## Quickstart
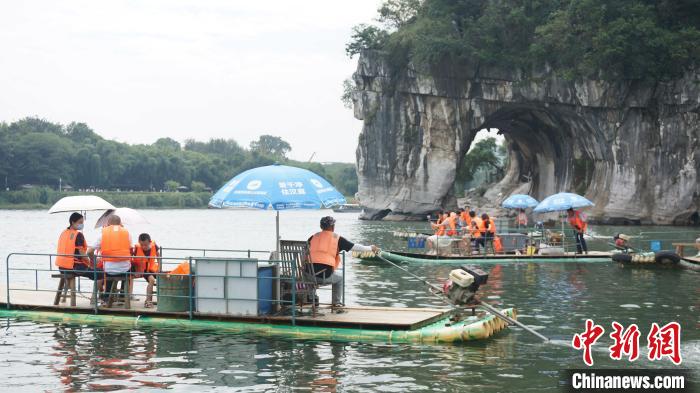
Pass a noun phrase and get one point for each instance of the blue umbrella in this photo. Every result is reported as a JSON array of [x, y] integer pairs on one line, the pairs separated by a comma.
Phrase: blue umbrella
[[519, 201], [562, 201], [277, 187]]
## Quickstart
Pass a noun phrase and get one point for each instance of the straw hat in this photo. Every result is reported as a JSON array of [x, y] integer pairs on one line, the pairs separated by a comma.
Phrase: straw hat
[[624, 237]]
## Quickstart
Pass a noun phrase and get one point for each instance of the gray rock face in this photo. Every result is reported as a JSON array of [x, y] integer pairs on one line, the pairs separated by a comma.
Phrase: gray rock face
[[629, 146]]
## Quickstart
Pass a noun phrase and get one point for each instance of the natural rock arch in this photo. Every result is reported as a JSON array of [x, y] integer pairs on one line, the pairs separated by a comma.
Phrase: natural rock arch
[[630, 146]]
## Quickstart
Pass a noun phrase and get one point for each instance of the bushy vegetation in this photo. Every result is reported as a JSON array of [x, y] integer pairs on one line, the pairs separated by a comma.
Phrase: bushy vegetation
[[485, 162], [634, 39], [43, 197], [37, 152]]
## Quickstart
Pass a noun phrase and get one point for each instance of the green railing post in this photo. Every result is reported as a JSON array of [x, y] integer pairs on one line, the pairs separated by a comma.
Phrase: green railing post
[[7, 280], [294, 298], [190, 289], [95, 286]]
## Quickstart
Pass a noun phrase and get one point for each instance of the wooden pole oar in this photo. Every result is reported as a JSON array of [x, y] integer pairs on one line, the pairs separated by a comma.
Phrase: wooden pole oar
[[437, 291], [506, 318]]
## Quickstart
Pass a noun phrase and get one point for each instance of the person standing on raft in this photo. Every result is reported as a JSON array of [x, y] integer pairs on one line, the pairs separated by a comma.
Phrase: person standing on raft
[[324, 250], [578, 222]]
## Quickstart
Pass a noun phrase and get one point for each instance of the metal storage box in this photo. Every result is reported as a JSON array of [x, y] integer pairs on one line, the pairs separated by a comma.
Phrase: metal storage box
[[513, 241]]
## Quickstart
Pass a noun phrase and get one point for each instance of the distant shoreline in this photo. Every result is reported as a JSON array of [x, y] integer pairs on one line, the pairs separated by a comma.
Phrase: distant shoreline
[[43, 198]]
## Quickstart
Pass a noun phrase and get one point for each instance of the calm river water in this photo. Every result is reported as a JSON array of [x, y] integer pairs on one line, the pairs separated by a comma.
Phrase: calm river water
[[556, 298]]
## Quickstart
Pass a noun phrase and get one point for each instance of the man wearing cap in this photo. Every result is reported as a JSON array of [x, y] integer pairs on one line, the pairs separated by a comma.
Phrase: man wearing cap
[[324, 250]]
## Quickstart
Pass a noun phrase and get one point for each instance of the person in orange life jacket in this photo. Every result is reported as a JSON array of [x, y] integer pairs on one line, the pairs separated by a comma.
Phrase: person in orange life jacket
[[579, 225], [521, 219], [324, 249], [487, 229], [72, 241], [145, 261], [439, 225], [452, 224], [465, 221], [474, 229], [114, 244]]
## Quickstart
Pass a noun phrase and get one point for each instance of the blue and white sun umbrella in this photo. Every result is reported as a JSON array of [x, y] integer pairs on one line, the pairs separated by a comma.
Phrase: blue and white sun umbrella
[[277, 187], [519, 201], [562, 201]]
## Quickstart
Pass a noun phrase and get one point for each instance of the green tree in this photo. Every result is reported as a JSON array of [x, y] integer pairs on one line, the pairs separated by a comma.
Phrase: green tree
[[168, 144], [349, 89], [197, 186], [484, 155], [171, 185], [272, 146], [630, 39], [366, 37]]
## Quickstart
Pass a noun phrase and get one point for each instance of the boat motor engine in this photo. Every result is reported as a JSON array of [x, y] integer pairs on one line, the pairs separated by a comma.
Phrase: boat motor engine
[[463, 283]]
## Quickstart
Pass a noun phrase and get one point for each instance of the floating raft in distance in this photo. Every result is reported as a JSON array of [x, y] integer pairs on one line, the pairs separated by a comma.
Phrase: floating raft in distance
[[357, 324], [406, 257]]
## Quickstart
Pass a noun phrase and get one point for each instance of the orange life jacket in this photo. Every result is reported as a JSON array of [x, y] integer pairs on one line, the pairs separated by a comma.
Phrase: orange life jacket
[[466, 218], [66, 245], [182, 269], [452, 224], [490, 229], [497, 245], [475, 227], [150, 264], [323, 248], [438, 226], [576, 222], [115, 244]]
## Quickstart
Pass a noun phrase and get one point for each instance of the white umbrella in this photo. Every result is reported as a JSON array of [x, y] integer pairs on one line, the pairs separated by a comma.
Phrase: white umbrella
[[128, 216], [80, 203]]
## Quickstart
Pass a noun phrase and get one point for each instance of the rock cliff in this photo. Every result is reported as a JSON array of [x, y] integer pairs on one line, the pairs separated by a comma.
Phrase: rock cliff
[[629, 146]]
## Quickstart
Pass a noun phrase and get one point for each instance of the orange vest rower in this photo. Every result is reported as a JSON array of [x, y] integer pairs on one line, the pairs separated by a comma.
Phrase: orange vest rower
[[324, 249], [580, 225]]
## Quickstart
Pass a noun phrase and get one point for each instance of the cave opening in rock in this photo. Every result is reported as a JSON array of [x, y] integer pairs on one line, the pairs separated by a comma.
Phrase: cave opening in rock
[[542, 154]]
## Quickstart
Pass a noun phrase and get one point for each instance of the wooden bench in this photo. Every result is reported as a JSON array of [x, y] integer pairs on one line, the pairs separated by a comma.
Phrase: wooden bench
[[680, 247], [65, 284]]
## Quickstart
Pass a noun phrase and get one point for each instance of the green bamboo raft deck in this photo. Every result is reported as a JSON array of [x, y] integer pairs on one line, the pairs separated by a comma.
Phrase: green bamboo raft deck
[[358, 324]]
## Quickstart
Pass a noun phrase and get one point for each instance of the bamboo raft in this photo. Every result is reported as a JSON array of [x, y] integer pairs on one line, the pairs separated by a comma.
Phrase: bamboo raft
[[406, 257], [357, 324]]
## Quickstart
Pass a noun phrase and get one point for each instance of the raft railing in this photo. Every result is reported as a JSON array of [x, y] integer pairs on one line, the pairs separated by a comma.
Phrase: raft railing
[[663, 240], [41, 276]]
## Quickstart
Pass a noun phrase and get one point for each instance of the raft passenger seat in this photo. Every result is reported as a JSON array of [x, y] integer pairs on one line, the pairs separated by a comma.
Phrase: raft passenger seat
[[295, 262], [65, 284]]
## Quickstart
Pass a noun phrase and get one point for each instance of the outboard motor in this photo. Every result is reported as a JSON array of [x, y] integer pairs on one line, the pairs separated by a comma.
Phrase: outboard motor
[[463, 284]]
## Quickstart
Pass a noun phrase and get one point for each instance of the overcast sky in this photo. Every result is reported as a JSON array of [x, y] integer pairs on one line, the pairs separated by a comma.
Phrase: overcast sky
[[136, 71]]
